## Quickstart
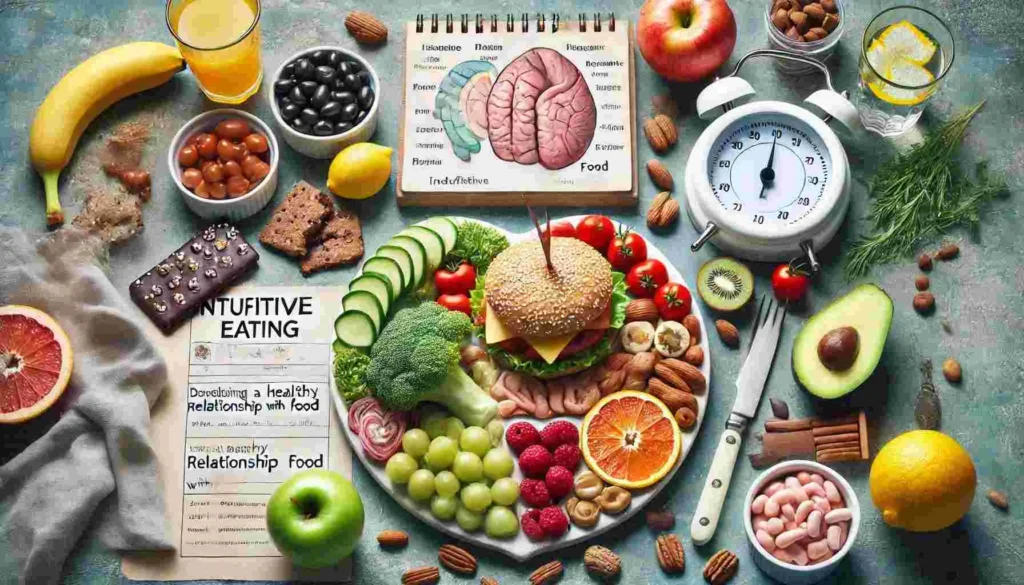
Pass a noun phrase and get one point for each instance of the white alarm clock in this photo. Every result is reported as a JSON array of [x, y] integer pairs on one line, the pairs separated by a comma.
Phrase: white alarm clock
[[768, 180]]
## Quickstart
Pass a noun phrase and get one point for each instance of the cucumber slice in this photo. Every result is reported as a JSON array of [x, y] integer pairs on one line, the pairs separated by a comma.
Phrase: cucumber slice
[[375, 284], [355, 329], [445, 228], [365, 301], [389, 269], [432, 244], [337, 346], [418, 255], [404, 262]]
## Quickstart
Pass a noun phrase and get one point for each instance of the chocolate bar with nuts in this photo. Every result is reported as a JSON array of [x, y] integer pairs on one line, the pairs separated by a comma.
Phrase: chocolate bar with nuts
[[196, 272]]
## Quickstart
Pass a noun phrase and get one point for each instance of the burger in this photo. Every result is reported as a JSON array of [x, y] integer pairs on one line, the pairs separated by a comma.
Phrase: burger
[[550, 321]]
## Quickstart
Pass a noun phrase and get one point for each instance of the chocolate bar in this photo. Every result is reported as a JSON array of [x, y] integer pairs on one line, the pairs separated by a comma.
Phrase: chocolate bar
[[196, 272]]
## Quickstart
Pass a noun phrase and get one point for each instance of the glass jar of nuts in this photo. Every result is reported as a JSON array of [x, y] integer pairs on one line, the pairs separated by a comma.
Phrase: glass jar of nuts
[[811, 28]]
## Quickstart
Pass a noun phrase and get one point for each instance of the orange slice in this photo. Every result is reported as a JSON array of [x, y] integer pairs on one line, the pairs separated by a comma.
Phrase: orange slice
[[35, 363], [630, 439]]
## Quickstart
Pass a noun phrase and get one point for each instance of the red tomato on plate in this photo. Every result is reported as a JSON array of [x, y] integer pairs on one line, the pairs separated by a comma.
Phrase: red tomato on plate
[[628, 248], [561, 229], [789, 284], [645, 278], [454, 282], [673, 301], [596, 230], [455, 303]]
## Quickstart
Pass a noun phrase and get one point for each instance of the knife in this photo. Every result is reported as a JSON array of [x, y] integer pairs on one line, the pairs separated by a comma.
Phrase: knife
[[750, 386]]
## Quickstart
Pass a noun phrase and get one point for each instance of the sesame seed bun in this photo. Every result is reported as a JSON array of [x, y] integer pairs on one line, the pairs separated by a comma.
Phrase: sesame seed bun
[[533, 301]]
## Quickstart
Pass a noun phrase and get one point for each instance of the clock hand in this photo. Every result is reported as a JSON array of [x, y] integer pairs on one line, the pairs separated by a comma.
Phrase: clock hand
[[768, 173]]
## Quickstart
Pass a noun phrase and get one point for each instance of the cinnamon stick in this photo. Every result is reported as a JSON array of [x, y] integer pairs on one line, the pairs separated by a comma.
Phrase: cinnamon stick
[[823, 452], [831, 458], [832, 430], [837, 438], [843, 445]]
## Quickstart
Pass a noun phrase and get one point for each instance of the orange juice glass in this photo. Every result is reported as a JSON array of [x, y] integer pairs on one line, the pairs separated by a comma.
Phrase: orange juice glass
[[220, 40]]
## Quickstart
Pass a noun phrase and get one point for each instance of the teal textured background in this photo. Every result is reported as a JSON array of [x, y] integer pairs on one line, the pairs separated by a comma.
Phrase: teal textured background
[[980, 293]]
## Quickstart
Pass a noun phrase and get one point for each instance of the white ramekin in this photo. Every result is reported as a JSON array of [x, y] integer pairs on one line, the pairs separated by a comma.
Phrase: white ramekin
[[788, 573], [326, 146], [233, 209]]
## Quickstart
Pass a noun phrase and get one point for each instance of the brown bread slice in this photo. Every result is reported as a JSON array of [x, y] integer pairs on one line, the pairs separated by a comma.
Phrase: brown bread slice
[[297, 220], [341, 242]]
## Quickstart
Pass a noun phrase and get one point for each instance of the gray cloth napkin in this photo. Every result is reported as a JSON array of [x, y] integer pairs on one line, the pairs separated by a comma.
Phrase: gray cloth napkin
[[96, 461]]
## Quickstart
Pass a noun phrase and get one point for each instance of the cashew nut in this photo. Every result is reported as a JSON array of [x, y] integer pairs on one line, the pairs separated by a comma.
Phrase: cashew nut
[[582, 513], [588, 486], [614, 499]]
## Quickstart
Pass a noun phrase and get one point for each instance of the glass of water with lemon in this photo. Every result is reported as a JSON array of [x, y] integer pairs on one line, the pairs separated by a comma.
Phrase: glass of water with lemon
[[905, 54]]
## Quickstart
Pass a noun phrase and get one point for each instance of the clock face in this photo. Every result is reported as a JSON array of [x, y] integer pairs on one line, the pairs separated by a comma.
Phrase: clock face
[[768, 170]]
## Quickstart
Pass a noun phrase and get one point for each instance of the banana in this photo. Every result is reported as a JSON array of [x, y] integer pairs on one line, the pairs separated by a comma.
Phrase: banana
[[82, 94]]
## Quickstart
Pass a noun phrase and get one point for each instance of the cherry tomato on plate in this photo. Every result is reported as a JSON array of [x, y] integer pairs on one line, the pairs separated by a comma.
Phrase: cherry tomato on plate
[[645, 277], [561, 229], [596, 230], [673, 301], [789, 283], [628, 248], [455, 303], [454, 280]]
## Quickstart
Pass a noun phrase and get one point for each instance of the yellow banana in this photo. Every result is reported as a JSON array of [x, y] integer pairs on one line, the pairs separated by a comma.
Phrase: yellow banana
[[87, 90]]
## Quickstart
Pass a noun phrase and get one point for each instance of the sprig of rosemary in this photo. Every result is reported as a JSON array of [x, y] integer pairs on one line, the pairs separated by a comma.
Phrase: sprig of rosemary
[[919, 195]]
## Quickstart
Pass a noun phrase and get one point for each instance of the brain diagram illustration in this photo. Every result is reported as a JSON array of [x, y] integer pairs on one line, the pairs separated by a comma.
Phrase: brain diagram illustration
[[539, 109]]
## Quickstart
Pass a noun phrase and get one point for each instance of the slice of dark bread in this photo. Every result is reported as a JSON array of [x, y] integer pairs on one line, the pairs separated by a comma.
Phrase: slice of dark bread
[[341, 242], [297, 220]]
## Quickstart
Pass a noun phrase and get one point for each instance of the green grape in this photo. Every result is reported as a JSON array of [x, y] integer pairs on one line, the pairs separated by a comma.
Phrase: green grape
[[415, 442], [476, 497], [505, 491], [399, 467], [501, 522], [496, 430], [447, 484], [421, 485], [475, 440], [434, 423], [441, 453], [453, 428], [498, 463], [468, 467], [468, 520], [443, 507]]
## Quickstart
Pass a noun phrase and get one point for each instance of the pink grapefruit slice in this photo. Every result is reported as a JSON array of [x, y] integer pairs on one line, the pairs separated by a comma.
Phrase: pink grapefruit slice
[[35, 363]]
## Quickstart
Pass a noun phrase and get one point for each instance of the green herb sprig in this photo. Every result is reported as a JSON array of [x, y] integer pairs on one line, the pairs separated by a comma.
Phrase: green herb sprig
[[477, 244], [919, 195]]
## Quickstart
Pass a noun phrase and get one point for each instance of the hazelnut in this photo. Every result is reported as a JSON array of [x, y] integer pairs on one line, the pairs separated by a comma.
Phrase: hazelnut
[[924, 302], [922, 282], [838, 348], [924, 262]]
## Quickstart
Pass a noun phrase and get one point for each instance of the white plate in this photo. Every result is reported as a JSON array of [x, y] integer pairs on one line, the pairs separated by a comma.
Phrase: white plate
[[521, 547]]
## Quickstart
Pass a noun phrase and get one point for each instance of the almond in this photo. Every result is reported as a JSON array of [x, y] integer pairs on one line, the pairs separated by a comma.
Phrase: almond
[[642, 310], [815, 12], [671, 378], [456, 559], [998, 499], [830, 23], [691, 375], [947, 251], [366, 28], [692, 324], [815, 34], [548, 573], [664, 211], [728, 332], [673, 398], [670, 553], [781, 20], [828, 5], [656, 136], [952, 371], [668, 127], [799, 20], [694, 356], [659, 175], [792, 33], [421, 576], [392, 538]]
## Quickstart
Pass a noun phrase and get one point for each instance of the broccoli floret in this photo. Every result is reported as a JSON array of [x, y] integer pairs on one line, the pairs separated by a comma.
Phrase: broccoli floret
[[416, 359], [350, 373]]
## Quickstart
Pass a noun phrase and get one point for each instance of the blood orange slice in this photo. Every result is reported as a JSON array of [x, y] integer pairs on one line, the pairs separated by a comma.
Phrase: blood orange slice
[[630, 439], [35, 363]]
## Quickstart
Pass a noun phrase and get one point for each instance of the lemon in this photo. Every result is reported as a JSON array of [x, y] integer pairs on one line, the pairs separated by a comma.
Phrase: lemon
[[922, 481], [359, 171], [907, 41]]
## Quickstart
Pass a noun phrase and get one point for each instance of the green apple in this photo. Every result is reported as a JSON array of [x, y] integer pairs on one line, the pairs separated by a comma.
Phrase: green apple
[[316, 518]]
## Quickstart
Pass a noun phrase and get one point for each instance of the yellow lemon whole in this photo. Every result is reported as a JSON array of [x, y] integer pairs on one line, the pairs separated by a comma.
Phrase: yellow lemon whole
[[922, 481], [359, 171]]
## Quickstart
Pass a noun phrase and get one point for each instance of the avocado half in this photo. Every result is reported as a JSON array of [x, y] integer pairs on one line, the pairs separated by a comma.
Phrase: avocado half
[[868, 309]]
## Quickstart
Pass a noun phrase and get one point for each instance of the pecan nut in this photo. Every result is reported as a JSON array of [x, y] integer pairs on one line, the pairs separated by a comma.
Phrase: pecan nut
[[670, 553], [421, 576], [664, 211], [545, 574], [456, 559], [393, 538], [602, 563], [721, 567]]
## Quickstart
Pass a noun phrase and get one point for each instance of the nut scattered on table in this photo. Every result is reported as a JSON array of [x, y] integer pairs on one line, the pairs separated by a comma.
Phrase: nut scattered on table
[[548, 573], [602, 563], [998, 499], [456, 559], [421, 576], [661, 520], [661, 132], [952, 371], [924, 262], [721, 567], [924, 302], [670, 553], [664, 211], [728, 333], [948, 252], [922, 282], [660, 175], [488, 581], [780, 409], [393, 538], [366, 28]]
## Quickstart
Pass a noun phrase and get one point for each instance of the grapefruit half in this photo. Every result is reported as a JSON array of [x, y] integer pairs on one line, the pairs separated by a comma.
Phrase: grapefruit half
[[630, 439], [35, 363]]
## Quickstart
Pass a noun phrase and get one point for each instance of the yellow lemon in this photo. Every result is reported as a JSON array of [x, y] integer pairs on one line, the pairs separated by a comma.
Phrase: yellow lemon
[[359, 171], [922, 481]]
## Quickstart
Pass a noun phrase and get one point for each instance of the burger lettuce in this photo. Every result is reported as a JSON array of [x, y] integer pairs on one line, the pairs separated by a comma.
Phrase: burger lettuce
[[576, 362]]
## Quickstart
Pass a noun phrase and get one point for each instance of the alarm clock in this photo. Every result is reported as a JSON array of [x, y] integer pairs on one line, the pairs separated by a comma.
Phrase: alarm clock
[[768, 180]]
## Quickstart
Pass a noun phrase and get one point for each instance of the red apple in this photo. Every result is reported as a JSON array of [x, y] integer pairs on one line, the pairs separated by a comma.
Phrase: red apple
[[686, 40]]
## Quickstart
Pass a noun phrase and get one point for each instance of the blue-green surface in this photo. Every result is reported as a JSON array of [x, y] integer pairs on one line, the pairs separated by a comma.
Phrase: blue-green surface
[[979, 294]]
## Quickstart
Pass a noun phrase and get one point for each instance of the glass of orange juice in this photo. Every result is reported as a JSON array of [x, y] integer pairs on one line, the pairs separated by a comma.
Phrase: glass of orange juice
[[220, 40]]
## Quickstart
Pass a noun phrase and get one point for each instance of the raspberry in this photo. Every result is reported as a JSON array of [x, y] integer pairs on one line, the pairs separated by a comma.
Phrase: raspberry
[[535, 461], [530, 524], [560, 432], [568, 456], [559, 482], [521, 435], [535, 493], [553, 521]]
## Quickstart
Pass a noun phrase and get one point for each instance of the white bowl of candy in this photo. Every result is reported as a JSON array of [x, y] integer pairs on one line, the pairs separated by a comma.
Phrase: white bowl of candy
[[801, 518]]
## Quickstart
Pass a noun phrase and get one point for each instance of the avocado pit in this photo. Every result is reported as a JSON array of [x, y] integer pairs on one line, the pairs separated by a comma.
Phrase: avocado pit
[[838, 348]]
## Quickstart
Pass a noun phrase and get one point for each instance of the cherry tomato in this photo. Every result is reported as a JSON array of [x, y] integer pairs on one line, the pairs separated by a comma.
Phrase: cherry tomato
[[645, 278], [596, 230], [627, 249], [455, 303], [673, 301], [562, 229], [789, 284], [461, 280]]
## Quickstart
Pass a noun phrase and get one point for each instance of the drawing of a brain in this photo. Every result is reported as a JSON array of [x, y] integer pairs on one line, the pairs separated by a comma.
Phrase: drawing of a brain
[[461, 105]]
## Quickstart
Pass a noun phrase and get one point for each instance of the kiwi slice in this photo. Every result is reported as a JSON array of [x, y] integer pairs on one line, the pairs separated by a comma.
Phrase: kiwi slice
[[725, 284]]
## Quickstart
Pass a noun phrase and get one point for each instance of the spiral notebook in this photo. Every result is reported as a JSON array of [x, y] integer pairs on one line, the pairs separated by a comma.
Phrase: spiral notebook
[[498, 108]]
